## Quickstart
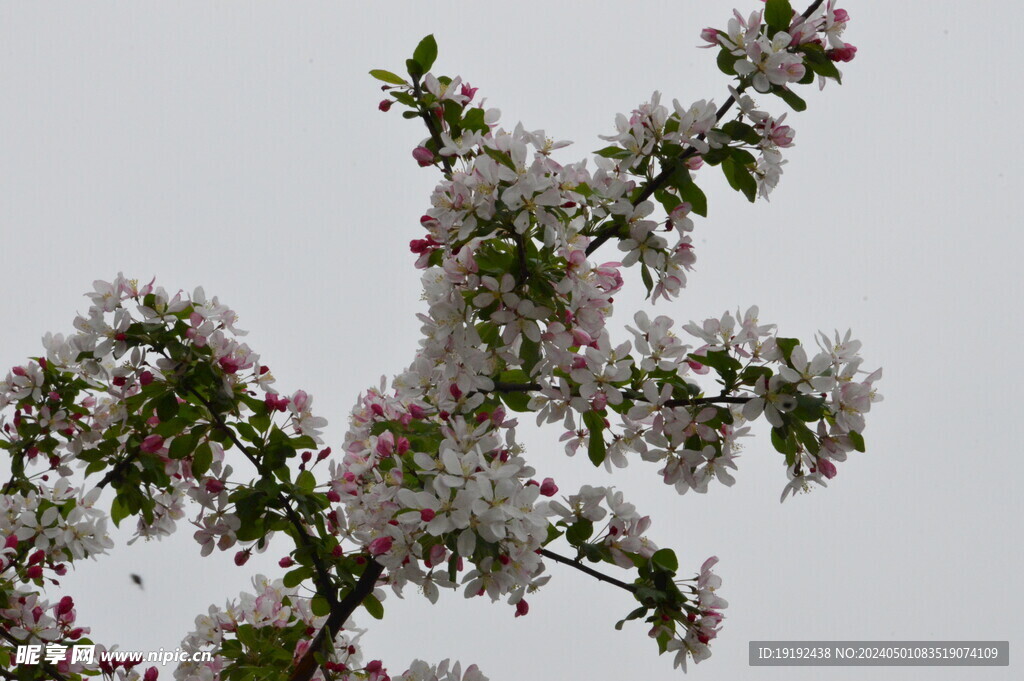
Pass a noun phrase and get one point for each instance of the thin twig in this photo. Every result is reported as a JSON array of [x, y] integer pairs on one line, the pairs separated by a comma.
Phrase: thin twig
[[428, 118], [588, 570]]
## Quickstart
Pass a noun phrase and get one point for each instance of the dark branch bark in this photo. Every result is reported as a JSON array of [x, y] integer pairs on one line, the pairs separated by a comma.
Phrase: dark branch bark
[[340, 612], [588, 570]]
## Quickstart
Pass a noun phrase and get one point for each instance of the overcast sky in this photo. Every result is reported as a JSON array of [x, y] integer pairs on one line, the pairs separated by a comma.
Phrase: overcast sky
[[238, 146]]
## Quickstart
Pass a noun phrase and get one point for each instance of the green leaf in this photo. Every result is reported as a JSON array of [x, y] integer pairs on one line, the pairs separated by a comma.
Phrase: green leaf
[[741, 131], [373, 606], [596, 449], [529, 353], [694, 196], [474, 120], [388, 77], [645, 274], [726, 62], [740, 178], [181, 446], [426, 53], [295, 577], [201, 459], [791, 98], [414, 69], [786, 345], [516, 401], [118, 511], [319, 606], [613, 152], [167, 407], [666, 559], [306, 482], [778, 14], [579, 532], [857, 440], [719, 360]]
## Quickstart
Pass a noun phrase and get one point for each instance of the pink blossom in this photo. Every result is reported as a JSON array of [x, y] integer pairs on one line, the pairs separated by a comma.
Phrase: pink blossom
[[380, 545], [423, 156]]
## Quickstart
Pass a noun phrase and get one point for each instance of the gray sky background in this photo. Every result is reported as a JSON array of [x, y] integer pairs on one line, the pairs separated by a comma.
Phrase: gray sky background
[[238, 146]]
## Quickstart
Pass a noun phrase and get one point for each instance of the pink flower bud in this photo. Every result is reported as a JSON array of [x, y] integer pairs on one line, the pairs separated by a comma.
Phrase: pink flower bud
[[36, 556], [522, 607], [333, 496], [66, 605], [286, 562], [841, 15], [426, 515], [468, 92], [827, 468], [151, 674], [844, 54], [152, 444], [214, 486], [242, 557], [423, 156], [548, 488], [385, 104], [709, 35], [380, 545], [11, 542], [34, 572]]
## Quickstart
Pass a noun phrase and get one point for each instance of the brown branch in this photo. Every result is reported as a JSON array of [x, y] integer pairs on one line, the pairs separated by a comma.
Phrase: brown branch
[[340, 612], [588, 570]]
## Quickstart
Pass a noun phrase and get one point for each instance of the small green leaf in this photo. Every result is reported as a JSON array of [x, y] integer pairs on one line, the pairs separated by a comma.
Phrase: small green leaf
[[167, 407], [739, 178], [791, 98], [320, 606], [596, 449], [579, 532], [426, 53], [306, 482], [726, 62], [857, 440], [201, 459], [118, 511], [778, 14], [694, 196], [295, 577], [388, 77], [373, 606], [666, 559]]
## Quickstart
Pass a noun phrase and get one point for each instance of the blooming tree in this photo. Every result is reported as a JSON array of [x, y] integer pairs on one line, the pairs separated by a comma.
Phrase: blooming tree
[[155, 400]]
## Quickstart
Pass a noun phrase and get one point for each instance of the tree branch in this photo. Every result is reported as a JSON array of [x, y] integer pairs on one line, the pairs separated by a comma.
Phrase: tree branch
[[54, 674], [588, 570], [428, 119], [340, 612], [503, 387]]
